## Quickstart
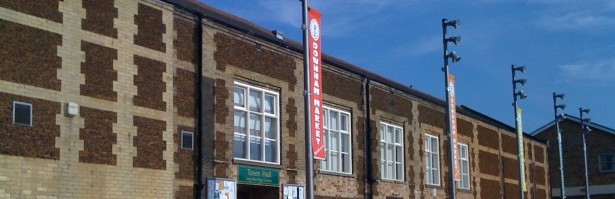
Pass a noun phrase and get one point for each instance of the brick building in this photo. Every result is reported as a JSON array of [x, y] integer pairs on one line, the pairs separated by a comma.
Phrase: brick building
[[600, 158], [174, 93]]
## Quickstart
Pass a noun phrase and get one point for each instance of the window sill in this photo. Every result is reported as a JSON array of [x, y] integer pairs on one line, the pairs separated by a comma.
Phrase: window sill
[[259, 164], [332, 173], [393, 181], [434, 186], [465, 190]]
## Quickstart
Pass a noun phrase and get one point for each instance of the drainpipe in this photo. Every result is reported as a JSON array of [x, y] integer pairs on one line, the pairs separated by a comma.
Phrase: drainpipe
[[369, 179], [198, 42]]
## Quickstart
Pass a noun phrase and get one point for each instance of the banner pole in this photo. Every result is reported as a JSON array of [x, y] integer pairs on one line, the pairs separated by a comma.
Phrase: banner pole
[[309, 162]]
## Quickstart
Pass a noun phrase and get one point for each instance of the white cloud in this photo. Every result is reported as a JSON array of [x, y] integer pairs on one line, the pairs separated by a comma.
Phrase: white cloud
[[419, 47], [584, 16], [577, 21], [601, 70]]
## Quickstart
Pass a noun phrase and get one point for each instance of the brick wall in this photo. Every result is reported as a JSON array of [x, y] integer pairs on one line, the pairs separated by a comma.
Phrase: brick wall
[[119, 62], [598, 142]]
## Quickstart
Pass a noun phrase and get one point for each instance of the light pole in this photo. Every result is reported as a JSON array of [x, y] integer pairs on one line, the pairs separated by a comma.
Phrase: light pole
[[454, 58], [309, 162], [585, 130], [558, 118], [519, 95]]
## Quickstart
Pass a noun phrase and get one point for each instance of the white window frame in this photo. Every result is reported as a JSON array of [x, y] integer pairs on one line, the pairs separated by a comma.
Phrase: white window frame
[[429, 168], [182, 140], [464, 159], [600, 163], [326, 165], [26, 104], [263, 114], [397, 148]]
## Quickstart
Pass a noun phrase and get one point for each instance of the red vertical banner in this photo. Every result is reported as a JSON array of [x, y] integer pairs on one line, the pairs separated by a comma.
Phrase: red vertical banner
[[317, 117], [453, 129]]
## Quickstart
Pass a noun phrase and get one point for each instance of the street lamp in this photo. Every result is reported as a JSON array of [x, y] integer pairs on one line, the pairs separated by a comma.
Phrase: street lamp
[[454, 58], [518, 95], [558, 118], [585, 130]]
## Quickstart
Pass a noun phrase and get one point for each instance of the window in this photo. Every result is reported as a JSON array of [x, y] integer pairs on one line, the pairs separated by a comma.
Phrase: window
[[391, 152], [464, 165], [337, 141], [256, 124], [432, 160], [187, 140], [607, 162], [22, 113]]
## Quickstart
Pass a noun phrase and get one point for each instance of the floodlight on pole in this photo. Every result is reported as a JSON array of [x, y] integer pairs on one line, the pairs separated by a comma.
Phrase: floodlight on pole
[[519, 95], [518, 68], [558, 118], [584, 131], [454, 57], [451, 23], [455, 40], [520, 81]]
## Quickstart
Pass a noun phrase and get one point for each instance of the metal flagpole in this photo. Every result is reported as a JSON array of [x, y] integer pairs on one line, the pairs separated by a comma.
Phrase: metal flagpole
[[309, 163]]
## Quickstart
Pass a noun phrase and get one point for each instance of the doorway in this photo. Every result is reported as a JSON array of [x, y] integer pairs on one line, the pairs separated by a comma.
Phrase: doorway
[[257, 192]]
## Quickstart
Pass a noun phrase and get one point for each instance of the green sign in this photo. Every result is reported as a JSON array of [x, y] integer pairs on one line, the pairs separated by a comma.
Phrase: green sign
[[258, 176]]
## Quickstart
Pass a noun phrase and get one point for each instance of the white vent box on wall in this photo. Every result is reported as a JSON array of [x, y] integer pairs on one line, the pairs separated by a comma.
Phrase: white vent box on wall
[[72, 109]]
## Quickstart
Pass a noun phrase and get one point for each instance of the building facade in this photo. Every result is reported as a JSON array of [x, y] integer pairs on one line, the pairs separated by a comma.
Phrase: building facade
[[154, 99], [600, 158]]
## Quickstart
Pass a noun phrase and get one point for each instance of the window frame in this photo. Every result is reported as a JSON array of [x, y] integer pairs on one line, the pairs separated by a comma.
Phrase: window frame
[[383, 146], [325, 165], [461, 160], [429, 139], [600, 163], [182, 140], [30, 114], [263, 115]]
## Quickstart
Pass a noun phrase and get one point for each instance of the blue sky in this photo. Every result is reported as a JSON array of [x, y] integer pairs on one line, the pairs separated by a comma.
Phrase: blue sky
[[568, 46]]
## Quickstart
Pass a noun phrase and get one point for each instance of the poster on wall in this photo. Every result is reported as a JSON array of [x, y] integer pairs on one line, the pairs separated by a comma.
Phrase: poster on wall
[[292, 191], [221, 189]]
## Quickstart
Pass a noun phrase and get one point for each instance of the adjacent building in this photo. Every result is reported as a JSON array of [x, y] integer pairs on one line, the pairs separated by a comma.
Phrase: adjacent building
[[155, 99], [600, 158]]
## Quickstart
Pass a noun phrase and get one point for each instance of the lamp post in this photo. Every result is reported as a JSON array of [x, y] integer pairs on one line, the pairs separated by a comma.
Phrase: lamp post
[[519, 95], [558, 118], [451, 134], [585, 130], [309, 162]]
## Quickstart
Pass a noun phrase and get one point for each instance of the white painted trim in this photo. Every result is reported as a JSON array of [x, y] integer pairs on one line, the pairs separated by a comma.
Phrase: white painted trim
[[264, 114], [430, 136], [403, 159], [327, 109]]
